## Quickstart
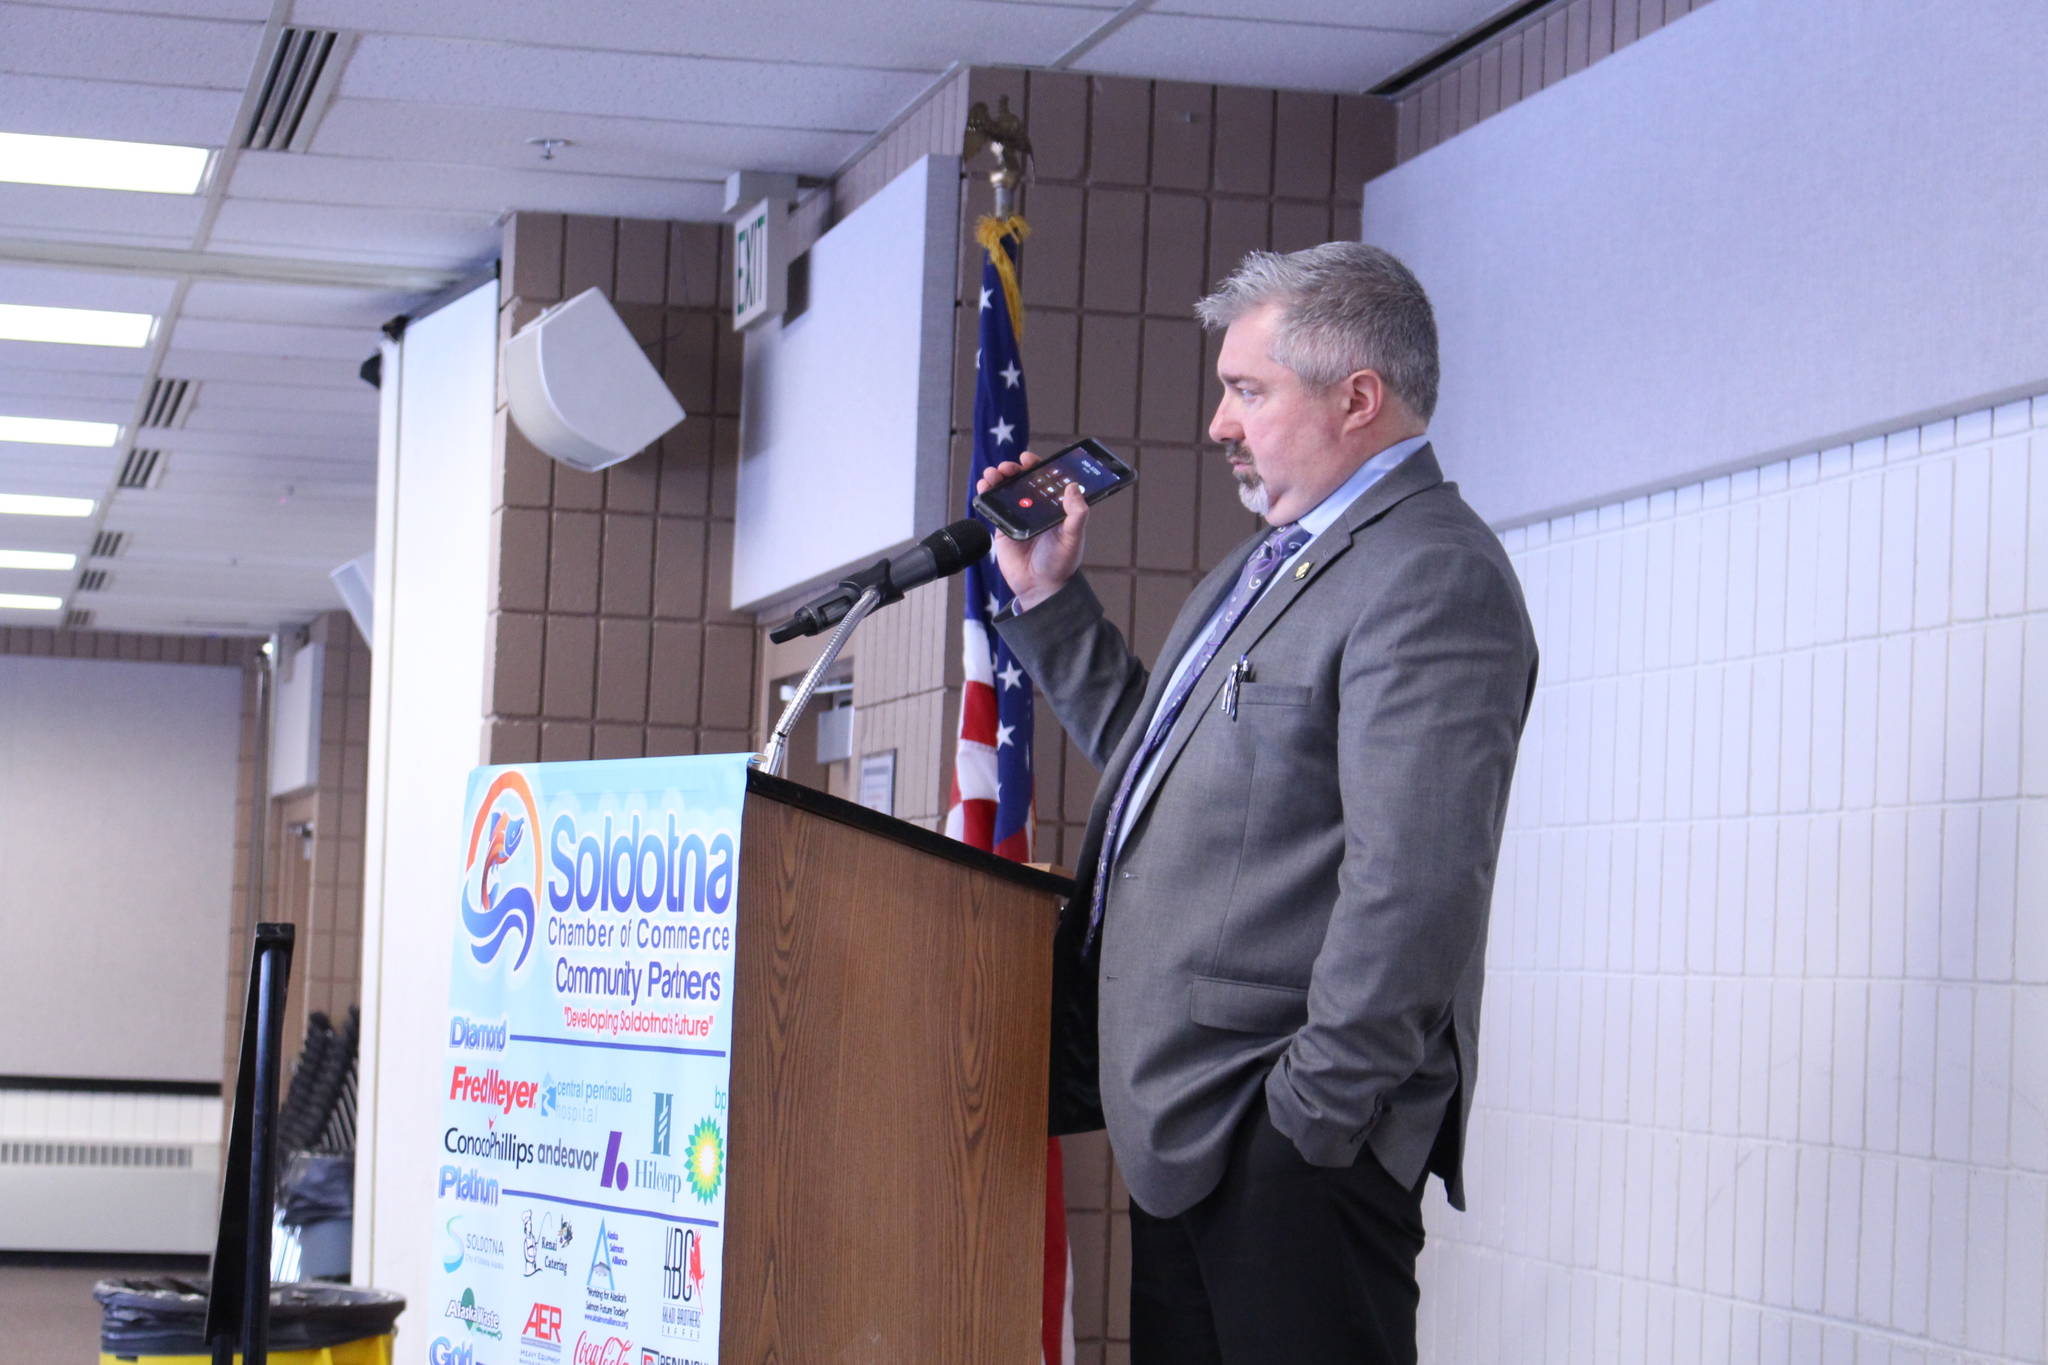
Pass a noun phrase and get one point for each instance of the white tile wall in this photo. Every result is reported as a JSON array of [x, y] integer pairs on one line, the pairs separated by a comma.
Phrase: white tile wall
[[1765, 1070]]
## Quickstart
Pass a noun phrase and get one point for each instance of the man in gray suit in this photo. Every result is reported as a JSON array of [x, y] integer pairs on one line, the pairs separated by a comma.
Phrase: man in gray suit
[[1285, 879]]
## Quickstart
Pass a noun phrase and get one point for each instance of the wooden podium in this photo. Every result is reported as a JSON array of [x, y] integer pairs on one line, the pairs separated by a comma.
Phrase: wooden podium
[[888, 1107]]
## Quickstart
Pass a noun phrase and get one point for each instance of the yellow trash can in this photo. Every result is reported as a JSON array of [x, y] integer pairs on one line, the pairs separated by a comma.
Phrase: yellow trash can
[[161, 1320]]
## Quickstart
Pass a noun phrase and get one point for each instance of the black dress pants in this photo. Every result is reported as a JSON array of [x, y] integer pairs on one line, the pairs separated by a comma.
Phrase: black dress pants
[[1283, 1263]]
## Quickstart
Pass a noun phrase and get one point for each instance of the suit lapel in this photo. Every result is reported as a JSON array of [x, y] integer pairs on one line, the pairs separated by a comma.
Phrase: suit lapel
[[1411, 476]]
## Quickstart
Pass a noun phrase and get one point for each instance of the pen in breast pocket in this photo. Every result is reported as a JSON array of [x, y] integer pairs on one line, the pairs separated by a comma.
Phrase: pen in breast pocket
[[1240, 672]]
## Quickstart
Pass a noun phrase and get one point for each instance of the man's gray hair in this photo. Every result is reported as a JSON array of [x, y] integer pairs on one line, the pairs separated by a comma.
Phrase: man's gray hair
[[1344, 307]]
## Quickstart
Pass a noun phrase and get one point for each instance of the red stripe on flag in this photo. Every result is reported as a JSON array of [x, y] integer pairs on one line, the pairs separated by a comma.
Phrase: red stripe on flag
[[978, 712], [978, 823], [1054, 1339]]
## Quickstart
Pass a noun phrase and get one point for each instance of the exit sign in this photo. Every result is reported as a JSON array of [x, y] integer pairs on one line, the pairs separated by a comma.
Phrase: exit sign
[[760, 267]]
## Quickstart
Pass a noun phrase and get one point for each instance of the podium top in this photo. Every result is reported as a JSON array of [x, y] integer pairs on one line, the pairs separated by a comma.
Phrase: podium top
[[785, 792]]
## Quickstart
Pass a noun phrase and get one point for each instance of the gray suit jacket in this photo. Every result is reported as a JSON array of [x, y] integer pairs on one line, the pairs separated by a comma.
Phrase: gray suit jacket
[[1301, 901]]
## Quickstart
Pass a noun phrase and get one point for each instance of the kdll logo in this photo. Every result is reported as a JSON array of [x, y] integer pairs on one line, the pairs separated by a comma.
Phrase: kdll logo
[[503, 871]]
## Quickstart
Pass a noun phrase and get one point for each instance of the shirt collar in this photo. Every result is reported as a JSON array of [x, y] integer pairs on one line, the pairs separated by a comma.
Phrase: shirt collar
[[1324, 514]]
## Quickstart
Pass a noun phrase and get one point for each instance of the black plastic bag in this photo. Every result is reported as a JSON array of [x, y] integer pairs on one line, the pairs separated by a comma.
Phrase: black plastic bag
[[165, 1315]]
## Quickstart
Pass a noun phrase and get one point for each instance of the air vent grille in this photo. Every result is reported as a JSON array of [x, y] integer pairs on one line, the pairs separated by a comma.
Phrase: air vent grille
[[77, 619], [142, 469], [107, 544], [296, 89], [170, 403], [93, 580], [20, 1153]]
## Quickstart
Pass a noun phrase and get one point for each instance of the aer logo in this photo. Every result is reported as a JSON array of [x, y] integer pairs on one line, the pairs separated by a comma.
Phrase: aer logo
[[544, 1323]]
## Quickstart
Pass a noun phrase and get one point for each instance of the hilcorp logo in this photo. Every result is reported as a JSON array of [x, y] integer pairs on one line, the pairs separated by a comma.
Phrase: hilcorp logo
[[488, 1087], [626, 869], [498, 885]]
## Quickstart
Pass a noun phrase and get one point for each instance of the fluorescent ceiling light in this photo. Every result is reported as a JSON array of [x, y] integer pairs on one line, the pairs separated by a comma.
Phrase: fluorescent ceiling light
[[74, 326], [23, 601], [96, 164], [58, 431], [38, 505], [36, 559]]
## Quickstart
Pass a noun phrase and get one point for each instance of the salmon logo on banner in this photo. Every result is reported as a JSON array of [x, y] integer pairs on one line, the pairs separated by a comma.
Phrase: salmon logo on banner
[[503, 873]]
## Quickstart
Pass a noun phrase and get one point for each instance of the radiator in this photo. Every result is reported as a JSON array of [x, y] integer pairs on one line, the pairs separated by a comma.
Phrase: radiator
[[97, 1172]]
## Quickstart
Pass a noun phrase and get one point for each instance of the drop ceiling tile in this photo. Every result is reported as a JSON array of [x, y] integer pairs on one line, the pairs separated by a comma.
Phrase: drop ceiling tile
[[1443, 17], [192, 363], [56, 287], [360, 402], [65, 535], [269, 338], [630, 84], [124, 110], [602, 146], [63, 213], [75, 472], [64, 385], [312, 305], [264, 421], [1243, 52], [492, 190], [46, 404], [281, 442], [396, 234], [105, 46], [927, 35], [252, 11], [36, 357]]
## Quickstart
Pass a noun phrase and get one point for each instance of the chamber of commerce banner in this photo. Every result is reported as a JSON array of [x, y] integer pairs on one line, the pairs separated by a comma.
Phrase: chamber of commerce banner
[[579, 1214]]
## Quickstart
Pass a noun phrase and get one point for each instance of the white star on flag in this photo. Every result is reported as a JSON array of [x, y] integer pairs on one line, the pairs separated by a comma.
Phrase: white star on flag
[[1011, 674], [993, 606], [1011, 375], [1003, 733], [988, 297], [1003, 432]]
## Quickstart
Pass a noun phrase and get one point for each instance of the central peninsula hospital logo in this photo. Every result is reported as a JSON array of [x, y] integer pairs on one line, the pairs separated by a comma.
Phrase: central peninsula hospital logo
[[502, 874]]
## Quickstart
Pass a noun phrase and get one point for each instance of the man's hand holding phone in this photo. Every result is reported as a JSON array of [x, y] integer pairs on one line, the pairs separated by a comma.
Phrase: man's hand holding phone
[[1037, 568]]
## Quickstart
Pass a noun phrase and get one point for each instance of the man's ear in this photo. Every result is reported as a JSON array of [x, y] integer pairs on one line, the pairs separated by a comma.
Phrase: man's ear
[[1365, 398]]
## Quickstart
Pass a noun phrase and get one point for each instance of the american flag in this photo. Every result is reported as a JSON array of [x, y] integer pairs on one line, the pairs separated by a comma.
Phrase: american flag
[[992, 798]]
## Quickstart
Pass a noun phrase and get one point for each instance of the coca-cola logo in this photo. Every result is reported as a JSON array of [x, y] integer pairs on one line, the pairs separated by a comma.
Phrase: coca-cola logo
[[610, 1351]]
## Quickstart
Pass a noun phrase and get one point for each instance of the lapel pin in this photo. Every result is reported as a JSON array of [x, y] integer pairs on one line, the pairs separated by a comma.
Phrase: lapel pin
[[1301, 569]]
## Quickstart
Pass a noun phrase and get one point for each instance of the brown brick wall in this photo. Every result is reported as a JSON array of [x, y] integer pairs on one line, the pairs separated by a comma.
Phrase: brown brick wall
[[611, 634], [1553, 43]]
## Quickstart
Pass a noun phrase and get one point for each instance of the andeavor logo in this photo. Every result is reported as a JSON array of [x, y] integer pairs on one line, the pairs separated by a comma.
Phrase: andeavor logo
[[502, 875]]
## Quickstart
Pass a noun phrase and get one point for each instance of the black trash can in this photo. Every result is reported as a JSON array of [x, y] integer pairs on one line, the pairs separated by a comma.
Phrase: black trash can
[[161, 1319]]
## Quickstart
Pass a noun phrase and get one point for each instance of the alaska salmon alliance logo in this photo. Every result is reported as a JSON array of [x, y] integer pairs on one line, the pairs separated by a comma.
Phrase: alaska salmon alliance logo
[[497, 886]]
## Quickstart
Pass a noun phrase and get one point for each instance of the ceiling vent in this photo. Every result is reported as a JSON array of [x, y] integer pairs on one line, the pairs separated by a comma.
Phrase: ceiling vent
[[107, 544], [77, 619], [142, 469], [93, 580], [296, 88], [170, 403]]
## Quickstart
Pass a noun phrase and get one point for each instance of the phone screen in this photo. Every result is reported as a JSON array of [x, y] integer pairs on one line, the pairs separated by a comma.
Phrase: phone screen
[[1030, 503]]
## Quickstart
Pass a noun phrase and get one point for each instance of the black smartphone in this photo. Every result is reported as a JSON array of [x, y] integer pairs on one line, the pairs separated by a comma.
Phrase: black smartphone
[[1030, 503]]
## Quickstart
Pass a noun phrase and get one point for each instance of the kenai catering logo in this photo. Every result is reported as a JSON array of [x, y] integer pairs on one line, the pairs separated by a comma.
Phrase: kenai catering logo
[[502, 875]]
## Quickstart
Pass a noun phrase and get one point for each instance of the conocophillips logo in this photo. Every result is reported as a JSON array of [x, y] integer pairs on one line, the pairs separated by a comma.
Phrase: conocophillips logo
[[498, 889]]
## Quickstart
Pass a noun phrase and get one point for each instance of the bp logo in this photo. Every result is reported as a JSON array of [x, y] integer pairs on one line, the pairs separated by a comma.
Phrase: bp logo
[[704, 1160], [502, 874]]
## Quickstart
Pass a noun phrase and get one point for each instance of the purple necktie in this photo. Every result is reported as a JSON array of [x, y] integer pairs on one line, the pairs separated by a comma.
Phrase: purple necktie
[[1271, 553]]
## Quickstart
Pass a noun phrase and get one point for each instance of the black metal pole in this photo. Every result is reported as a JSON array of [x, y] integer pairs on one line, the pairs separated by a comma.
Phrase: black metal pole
[[273, 967]]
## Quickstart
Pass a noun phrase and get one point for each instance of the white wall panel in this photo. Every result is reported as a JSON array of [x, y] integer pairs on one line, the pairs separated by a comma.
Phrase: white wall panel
[[117, 865], [1769, 962]]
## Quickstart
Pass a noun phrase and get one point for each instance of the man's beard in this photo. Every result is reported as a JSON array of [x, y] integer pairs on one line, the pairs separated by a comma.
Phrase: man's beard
[[1251, 490]]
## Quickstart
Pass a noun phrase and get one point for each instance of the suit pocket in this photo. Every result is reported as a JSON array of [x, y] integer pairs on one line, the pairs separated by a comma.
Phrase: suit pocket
[[1274, 694], [1246, 1006]]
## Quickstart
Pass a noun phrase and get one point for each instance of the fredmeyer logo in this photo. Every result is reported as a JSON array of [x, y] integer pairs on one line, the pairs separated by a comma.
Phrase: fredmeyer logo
[[502, 874]]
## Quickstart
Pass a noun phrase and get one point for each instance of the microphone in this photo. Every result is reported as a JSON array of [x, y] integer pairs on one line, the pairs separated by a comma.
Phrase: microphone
[[945, 551]]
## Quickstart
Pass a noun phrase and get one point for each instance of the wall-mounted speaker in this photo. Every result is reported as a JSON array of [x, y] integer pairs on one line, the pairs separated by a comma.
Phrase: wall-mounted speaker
[[580, 387], [353, 582]]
